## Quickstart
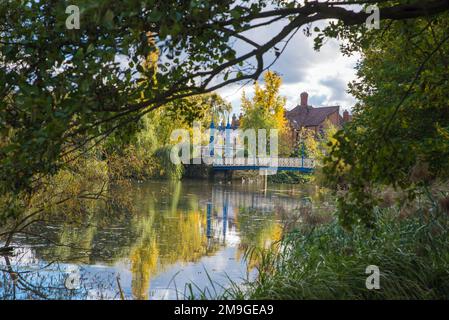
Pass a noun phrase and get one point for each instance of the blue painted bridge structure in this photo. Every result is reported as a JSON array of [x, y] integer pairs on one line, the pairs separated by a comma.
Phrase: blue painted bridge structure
[[263, 164], [303, 165]]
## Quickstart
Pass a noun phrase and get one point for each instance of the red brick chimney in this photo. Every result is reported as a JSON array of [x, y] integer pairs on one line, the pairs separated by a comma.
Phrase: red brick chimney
[[304, 99], [346, 116]]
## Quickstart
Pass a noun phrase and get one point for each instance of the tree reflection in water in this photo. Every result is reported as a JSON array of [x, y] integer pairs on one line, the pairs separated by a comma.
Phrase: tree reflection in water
[[19, 281], [164, 242]]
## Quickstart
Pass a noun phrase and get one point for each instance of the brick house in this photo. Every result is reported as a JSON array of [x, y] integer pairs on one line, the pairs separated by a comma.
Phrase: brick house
[[312, 118]]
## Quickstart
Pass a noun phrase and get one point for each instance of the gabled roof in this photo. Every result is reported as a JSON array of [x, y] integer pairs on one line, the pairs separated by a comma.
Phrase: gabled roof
[[307, 116]]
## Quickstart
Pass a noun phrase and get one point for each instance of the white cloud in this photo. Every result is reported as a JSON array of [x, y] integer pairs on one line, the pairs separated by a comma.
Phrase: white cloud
[[323, 74]]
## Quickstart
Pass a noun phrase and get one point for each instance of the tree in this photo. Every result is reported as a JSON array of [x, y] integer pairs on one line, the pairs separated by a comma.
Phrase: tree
[[143, 151], [266, 109], [400, 133], [63, 90], [317, 146]]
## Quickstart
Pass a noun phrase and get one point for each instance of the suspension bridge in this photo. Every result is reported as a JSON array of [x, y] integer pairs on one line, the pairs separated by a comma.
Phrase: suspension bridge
[[222, 159], [304, 165]]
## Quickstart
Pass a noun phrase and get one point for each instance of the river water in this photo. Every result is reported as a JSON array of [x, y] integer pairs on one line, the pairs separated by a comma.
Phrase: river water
[[181, 239]]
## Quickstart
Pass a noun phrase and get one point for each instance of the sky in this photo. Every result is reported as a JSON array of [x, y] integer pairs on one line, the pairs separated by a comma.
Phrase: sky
[[324, 74]]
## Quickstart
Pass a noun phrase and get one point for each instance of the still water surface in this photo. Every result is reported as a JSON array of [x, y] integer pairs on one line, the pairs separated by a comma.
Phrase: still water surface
[[182, 238]]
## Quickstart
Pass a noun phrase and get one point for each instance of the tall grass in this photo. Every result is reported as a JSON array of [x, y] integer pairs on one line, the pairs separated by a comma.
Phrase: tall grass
[[328, 262]]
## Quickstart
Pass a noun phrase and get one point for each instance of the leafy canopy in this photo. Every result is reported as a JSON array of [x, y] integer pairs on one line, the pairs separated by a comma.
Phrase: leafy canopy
[[400, 133], [65, 90]]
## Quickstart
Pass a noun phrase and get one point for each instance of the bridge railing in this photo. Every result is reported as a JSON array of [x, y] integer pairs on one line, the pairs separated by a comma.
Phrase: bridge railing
[[265, 162], [258, 161]]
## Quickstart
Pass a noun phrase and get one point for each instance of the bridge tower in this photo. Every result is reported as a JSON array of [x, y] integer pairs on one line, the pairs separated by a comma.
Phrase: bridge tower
[[228, 145], [212, 137]]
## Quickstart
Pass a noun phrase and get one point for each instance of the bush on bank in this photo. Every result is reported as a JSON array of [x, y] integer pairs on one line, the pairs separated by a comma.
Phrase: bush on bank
[[289, 177]]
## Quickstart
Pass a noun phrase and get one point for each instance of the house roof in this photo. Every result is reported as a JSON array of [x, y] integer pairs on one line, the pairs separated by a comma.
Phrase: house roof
[[307, 116]]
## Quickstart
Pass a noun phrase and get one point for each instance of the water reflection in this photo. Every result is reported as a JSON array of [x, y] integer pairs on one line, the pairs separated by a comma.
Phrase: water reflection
[[177, 233]]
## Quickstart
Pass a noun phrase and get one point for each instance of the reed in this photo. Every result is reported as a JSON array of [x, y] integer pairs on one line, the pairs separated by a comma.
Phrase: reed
[[327, 262]]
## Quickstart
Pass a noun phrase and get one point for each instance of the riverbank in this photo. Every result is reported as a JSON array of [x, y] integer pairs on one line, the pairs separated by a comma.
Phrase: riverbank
[[327, 262]]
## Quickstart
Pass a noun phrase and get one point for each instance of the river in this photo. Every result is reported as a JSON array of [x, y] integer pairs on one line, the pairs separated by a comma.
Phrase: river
[[181, 239]]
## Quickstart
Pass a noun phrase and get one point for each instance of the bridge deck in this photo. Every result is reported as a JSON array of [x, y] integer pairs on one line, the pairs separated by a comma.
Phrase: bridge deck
[[229, 168], [281, 164]]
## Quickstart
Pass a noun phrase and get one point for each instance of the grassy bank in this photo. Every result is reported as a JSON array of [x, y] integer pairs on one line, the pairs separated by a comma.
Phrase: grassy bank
[[328, 262]]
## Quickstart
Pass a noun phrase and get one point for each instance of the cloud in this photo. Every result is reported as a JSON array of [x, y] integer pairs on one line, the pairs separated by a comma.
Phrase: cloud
[[323, 74], [337, 86], [318, 100]]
